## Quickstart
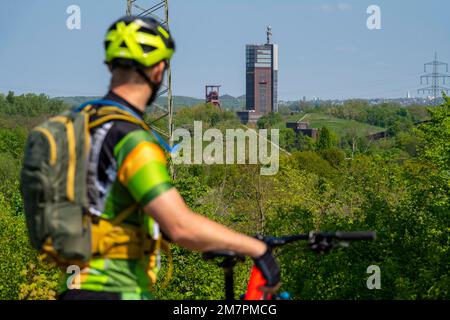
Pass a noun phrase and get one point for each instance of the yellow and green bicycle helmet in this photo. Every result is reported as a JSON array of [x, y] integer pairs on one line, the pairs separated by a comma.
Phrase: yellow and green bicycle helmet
[[138, 42]]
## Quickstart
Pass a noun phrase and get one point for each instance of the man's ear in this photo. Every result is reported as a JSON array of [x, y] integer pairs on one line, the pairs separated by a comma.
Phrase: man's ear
[[157, 73]]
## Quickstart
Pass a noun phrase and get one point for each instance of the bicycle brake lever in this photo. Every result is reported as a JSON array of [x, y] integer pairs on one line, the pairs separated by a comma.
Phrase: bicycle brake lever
[[343, 244], [325, 245]]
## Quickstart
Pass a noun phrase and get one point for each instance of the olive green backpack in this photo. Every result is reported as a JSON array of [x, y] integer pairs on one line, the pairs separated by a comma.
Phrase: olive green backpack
[[54, 182]]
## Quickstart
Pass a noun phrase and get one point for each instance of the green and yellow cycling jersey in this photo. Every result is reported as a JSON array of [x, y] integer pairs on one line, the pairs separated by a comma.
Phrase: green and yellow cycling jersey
[[127, 277], [127, 170]]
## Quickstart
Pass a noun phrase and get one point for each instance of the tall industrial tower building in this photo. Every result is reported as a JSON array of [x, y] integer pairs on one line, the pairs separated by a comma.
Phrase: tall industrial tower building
[[261, 80]]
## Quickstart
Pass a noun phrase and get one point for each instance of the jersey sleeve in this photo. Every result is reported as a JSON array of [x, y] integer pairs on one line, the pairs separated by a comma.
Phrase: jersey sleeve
[[141, 166]]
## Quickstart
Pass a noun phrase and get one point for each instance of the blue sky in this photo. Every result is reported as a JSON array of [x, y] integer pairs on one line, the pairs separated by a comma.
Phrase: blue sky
[[326, 49]]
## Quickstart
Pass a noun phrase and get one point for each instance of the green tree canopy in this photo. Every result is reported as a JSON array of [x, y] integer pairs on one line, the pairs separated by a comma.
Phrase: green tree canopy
[[327, 139]]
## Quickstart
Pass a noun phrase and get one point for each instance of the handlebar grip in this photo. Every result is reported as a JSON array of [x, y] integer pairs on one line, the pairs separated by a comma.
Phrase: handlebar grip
[[356, 235]]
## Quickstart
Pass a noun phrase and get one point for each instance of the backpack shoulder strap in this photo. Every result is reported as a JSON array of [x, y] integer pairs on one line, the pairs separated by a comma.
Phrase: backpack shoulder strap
[[104, 102], [111, 110], [103, 118]]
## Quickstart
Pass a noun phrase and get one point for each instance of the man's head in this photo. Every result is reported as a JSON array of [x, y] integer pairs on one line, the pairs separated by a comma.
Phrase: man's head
[[138, 50]]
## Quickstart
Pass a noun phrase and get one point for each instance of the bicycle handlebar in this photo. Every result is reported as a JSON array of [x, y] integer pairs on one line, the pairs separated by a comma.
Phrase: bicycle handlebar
[[318, 241], [314, 236], [356, 235]]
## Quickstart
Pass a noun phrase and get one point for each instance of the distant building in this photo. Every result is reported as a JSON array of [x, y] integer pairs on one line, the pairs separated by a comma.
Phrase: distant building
[[378, 135], [248, 116], [303, 128], [212, 95], [261, 80]]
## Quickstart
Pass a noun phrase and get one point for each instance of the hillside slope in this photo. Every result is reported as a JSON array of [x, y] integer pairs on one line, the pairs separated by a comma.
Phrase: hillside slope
[[228, 102], [340, 126]]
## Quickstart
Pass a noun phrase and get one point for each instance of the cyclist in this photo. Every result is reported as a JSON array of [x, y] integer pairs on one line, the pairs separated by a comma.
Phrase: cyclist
[[127, 171]]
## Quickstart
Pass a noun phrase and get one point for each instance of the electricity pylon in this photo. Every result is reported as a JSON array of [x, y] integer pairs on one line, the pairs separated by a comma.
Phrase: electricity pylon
[[435, 88], [158, 10]]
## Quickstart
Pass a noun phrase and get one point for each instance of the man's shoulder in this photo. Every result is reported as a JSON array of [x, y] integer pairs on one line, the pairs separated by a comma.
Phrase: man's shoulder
[[120, 130], [127, 135]]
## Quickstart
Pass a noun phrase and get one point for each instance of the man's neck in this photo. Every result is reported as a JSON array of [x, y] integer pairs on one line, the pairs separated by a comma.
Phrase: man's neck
[[111, 96], [137, 95]]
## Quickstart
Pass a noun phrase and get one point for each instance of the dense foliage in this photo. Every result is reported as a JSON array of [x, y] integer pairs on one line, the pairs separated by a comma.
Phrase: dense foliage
[[398, 186], [391, 116], [29, 105]]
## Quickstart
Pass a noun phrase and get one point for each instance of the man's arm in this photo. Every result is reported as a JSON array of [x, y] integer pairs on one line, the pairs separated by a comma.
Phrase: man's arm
[[142, 170], [196, 232]]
